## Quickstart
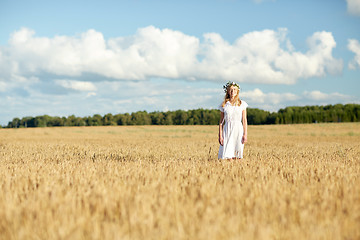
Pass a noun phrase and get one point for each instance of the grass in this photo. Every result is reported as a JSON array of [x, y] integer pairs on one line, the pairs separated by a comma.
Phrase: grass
[[165, 182]]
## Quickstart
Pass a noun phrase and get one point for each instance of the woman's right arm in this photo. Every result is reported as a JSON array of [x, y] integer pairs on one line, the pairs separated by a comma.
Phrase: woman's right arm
[[221, 139]]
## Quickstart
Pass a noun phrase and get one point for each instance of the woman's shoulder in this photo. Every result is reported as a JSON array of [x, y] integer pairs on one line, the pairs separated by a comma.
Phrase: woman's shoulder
[[223, 104], [244, 104]]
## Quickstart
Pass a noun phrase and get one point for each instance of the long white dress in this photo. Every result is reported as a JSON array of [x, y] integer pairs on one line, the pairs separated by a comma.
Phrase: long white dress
[[232, 131]]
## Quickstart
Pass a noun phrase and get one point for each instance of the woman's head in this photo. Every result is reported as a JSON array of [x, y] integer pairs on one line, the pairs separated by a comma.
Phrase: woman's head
[[232, 90]]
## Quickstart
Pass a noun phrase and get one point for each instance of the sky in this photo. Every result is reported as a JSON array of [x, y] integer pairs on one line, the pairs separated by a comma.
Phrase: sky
[[82, 58]]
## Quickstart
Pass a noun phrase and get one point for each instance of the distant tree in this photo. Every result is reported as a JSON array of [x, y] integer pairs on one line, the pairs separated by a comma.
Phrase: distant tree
[[157, 118], [15, 123], [272, 118], [96, 120], [288, 115], [256, 116], [27, 122], [209, 117], [70, 121], [124, 119], [80, 122], [196, 116], [140, 118], [168, 118], [180, 117], [56, 122], [109, 119], [43, 121]]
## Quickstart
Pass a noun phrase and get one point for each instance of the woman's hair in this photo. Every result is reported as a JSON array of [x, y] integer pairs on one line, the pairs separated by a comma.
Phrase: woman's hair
[[227, 97]]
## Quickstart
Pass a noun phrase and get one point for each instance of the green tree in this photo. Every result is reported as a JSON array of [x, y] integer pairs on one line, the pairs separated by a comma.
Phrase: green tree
[[288, 115], [56, 122], [140, 118], [168, 118], [157, 118], [109, 120], [124, 119], [96, 120]]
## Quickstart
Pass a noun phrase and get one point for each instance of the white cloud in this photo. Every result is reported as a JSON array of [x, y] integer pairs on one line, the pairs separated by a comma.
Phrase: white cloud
[[258, 57], [257, 96], [3, 87], [5, 65], [273, 101], [320, 96], [354, 46], [151, 52], [91, 94], [153, 95], [76, 85], [353, 7]]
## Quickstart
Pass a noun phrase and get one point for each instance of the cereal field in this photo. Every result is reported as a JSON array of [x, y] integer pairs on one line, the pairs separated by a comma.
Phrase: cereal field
[[165, 182]]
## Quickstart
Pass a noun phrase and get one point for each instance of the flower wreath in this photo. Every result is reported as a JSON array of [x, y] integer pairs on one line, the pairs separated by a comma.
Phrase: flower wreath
[[229, 84]]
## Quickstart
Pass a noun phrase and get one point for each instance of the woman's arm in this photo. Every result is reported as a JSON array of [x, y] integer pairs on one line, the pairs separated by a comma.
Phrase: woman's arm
[[244, 121], [221, 139]]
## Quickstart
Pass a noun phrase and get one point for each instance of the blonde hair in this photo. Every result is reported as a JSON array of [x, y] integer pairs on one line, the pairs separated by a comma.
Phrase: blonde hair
[[227, 97]]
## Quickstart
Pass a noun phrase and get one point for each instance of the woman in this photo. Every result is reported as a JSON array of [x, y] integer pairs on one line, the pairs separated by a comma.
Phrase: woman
[[232, 133]]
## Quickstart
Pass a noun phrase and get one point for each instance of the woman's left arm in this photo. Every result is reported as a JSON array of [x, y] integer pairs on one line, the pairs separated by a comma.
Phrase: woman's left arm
[[244, 122]]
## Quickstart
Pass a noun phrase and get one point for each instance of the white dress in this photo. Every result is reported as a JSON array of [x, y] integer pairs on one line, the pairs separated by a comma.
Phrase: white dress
[[232, 131]]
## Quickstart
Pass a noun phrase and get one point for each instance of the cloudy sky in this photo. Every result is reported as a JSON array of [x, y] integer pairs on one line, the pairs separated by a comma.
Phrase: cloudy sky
[[96, 57]]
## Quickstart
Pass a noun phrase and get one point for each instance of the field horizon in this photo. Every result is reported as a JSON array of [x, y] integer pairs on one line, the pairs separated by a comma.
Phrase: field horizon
[[298, 181]]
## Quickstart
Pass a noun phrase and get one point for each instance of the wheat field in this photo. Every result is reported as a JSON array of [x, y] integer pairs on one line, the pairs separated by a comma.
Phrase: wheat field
[[165, 182]]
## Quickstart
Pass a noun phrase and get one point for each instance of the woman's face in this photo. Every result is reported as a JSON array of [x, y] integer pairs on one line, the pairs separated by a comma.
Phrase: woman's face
[[233, 91]]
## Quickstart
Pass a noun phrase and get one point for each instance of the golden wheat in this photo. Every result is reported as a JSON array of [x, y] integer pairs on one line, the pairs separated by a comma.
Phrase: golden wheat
[[165, 182]]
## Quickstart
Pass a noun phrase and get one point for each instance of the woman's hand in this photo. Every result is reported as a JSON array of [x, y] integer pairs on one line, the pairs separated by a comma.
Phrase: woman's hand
[[221, 140], [244, 139]]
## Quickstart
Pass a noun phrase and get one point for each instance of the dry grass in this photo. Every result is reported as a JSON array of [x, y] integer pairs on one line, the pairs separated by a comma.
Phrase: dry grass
[[164, 182]]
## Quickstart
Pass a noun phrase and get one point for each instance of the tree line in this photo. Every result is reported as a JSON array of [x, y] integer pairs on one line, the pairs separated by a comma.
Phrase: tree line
[[255, 116]]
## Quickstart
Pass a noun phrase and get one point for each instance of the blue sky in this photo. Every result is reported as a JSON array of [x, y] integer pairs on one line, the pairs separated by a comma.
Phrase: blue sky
[[96, 57]]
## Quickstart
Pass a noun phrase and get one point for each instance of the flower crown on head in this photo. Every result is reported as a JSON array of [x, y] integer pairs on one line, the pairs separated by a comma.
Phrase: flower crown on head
[[229, 84]]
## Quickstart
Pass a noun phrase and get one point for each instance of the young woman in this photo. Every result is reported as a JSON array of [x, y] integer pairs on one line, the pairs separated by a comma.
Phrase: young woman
[[233, 123]]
